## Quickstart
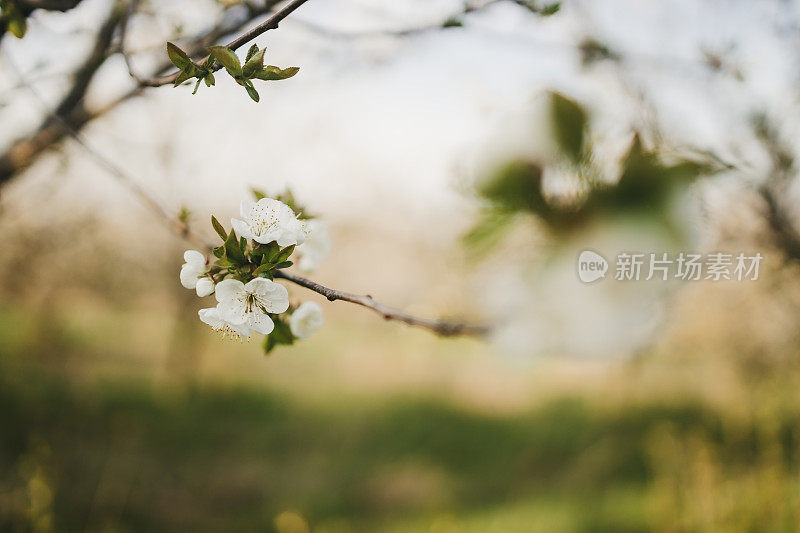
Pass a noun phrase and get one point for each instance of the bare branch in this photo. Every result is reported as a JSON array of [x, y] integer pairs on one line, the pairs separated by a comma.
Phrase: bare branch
[[70, 110], [453, 20], [443, 328], [774, 190], [111, 167], [48, 5]]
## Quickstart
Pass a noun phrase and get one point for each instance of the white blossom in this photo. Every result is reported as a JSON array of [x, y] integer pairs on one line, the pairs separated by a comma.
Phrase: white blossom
[[306, 319], [269, 220], [204, 287], [213, 318], [316, 247], [193, 268], [249, 303]]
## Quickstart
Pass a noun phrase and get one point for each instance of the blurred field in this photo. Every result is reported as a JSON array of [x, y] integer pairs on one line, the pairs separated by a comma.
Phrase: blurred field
[[119, 411], [100, 434]]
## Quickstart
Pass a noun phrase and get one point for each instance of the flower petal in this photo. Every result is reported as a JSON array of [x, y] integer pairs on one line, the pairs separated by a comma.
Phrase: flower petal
[[205, 287], [273, 296], [316, 247], [260, 322], [193, 257], [306, 319], [233, 312], [189, 275], [242, 329], [268, 236], [241, 228], [246, 208], [211, 317], [228, 290]]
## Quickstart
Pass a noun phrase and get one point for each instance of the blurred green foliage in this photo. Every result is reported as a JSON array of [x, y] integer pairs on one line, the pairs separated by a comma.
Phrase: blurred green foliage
[[646, 187], [125, 455]]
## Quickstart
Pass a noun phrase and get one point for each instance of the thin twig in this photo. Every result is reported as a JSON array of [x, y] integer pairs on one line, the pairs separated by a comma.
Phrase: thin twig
[[401, 32], [443, 328], [774, 190], [123, 33], [270, 24], [112, 168]]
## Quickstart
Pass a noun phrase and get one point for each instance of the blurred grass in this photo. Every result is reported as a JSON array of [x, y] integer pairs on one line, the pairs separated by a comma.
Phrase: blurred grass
[[123, 452]]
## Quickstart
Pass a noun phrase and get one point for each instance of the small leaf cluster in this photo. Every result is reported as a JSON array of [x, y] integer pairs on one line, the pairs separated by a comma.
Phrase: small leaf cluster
[[646, 185], [244, 75], [244, 260], [13, 18], [189, 69]]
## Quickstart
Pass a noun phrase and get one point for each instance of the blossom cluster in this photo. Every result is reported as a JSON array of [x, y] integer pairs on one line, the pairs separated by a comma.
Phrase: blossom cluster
[[241, 271]]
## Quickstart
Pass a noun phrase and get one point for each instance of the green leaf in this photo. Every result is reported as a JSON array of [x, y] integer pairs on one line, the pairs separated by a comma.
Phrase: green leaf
[[272, 72], [250, 52], [281, 334], [182, 77], [266, 249], [284, 264], [254, 64], [489, 231], [228, 59], [516, 186], [197, 85], [209, 79], [275, 252], [178, 57], [184, 215], [219, 228], [258, 194], [219, 251], [232, 250], [263, 269], [14, 18], [18, 26], [569, 122], [550, 9], [251, 91], [283, 255]]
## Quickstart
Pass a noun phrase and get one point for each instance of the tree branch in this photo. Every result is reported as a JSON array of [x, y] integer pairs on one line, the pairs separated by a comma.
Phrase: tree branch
[[48, 5], [70, 110], [70, 116], [443, 328], [270, 24], [24, 151], [452, 20], [774, 189]]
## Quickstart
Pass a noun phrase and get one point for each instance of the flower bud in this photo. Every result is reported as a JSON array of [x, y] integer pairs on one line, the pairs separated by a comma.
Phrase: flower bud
[[204, 287]]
